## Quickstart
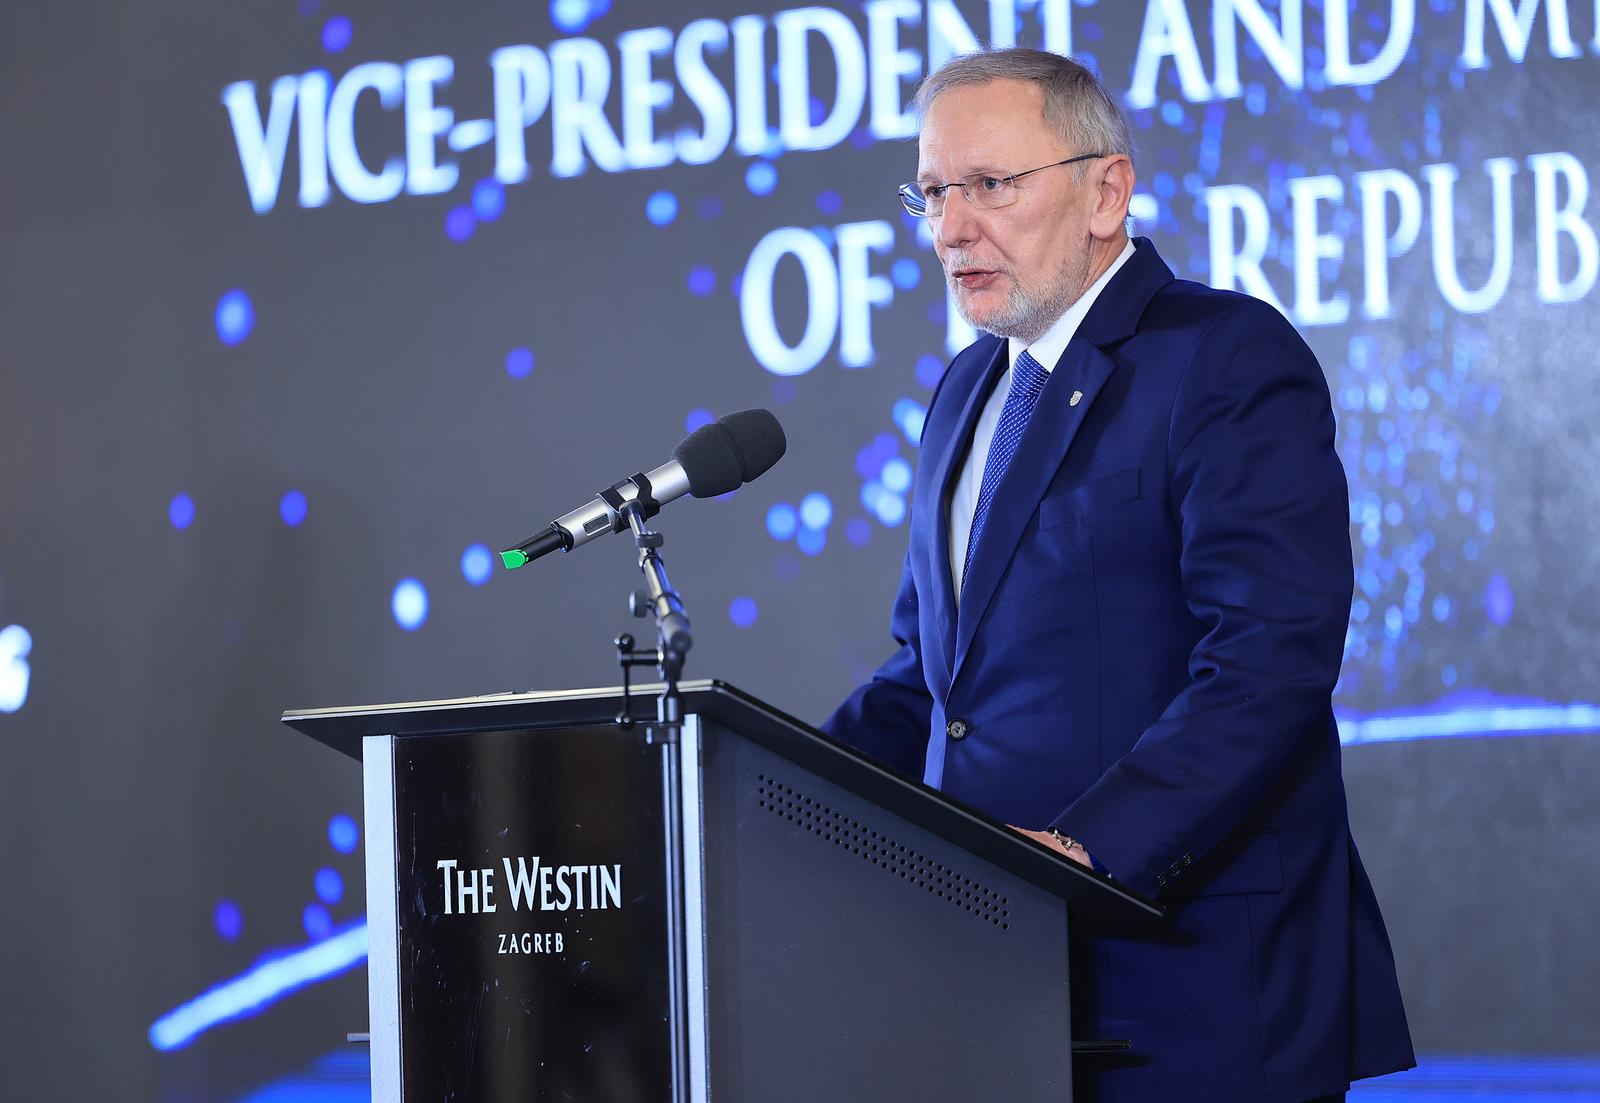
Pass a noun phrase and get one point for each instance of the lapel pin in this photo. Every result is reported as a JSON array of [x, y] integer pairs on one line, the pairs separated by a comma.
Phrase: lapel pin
[[1077, 397]]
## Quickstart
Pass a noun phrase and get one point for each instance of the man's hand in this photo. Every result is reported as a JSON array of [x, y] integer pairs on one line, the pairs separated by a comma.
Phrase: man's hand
[[1057, 844]]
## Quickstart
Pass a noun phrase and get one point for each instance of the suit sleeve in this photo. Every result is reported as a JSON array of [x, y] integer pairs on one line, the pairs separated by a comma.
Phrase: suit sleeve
[[1265, 563], [888, 717]]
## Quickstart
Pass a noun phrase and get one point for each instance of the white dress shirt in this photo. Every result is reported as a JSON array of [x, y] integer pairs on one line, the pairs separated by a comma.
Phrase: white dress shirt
[[1046, 350]]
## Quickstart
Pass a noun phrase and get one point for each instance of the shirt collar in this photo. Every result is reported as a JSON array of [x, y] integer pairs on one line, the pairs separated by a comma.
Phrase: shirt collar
[[1048, 349]]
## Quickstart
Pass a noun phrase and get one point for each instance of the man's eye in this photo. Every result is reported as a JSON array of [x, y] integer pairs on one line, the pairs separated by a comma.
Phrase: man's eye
[[989, 183], [935, 191]]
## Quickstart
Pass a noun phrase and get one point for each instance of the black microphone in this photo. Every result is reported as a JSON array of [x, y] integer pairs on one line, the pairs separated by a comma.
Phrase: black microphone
[[712, 460]]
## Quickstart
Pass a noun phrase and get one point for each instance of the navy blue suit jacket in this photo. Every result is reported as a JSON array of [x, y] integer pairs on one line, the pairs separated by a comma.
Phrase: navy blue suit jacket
[[1143, 657]]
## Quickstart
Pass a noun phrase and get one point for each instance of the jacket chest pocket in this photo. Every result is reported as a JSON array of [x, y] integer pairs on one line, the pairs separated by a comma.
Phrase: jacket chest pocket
[[1111, 490]]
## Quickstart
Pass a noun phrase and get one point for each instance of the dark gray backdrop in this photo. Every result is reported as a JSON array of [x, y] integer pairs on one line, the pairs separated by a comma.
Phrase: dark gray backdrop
[[144, 779]]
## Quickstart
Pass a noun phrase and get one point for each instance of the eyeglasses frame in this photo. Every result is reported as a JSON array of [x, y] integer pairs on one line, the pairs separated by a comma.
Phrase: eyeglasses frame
[[908, 190]]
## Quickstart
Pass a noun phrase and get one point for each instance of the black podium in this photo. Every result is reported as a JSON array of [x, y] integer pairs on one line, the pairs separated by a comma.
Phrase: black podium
[[843, 933]]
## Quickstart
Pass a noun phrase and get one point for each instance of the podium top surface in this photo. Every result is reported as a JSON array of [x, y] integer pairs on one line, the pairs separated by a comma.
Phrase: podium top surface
[[1097, 902]]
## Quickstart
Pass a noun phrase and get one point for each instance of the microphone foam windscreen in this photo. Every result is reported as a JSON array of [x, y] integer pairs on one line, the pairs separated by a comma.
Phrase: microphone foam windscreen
[[729, 452]]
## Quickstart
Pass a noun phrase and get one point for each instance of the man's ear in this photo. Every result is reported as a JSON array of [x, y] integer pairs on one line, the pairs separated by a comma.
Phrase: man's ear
[[1112, 196]]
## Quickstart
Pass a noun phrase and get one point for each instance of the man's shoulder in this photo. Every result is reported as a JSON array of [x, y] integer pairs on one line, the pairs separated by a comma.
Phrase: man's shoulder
[[1186, 304]]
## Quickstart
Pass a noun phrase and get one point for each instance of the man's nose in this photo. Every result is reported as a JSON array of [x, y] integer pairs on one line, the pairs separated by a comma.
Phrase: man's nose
[[959, 224]]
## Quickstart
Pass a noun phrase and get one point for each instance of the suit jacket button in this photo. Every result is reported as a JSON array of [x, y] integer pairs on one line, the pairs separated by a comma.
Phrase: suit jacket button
[[957, 729]]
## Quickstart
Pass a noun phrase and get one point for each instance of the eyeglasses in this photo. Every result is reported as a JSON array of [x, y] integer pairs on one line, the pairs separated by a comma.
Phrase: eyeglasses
[[983, 190]]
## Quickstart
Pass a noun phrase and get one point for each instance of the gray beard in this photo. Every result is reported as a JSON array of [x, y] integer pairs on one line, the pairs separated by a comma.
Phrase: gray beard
[[1027, 317]]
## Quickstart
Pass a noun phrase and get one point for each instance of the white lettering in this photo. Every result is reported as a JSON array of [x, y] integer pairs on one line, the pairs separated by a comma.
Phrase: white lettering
[[704, 91], [313, 119], [1441, 194], [425, 122], [948, 33], [467, 889], [1239, 268], [1552, 222], [521, 881], [1516, 30], [521, 93], [446, 865], [1282, 47], [859, 289], [1166, 33], [610, 890], [1378, 245], [794, 28], [643, 95], [580, 79], [750, 83], [262, 146], [343, 158], [1336, 34], [1312, 247], [891, 66], [822, 301], [1056, 15]]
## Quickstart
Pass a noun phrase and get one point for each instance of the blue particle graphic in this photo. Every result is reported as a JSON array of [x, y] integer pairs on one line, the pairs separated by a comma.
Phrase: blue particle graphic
[[698, 418], [576, 15], [343, 834], [896, 476], [891, 509], [743, 611], [761, 178], [488, 200], [409, 604], [906, 273], [661, 208], [1498, 600], [477, 564], [336, 34], [909, 415], [782, 521], [317, 922], [459, 223], [702, 280], [292, 508], [816, 511], [871, 491], [235, 317], [829, 201], [229, 920], [329, 885], [519, 363], [930, 369], [858, 531], [180, 511], [811, 541]]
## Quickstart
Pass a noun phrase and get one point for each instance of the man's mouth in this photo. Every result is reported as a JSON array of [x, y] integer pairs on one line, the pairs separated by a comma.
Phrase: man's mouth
[[974, 279]]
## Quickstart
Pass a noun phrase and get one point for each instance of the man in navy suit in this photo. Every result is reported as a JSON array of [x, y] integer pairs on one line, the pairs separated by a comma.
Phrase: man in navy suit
[[1124, 605]]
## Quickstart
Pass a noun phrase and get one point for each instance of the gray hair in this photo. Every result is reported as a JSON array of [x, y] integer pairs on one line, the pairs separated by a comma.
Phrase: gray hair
[[1076, 104]]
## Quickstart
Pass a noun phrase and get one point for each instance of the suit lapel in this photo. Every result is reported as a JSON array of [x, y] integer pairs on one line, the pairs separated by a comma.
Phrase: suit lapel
[[947, 470], [1083, 369]]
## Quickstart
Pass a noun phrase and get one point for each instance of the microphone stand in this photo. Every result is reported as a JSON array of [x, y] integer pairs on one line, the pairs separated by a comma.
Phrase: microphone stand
[[673, 640]]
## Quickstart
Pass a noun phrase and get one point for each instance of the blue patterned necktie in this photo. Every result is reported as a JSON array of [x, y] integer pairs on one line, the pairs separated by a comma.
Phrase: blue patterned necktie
[[1027, 380]]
